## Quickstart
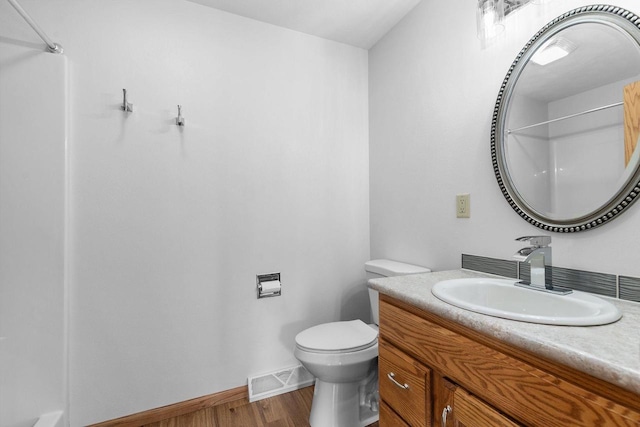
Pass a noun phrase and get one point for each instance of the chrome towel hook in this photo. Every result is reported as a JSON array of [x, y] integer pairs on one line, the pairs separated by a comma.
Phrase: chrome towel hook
[[180, 119], [126, 106]]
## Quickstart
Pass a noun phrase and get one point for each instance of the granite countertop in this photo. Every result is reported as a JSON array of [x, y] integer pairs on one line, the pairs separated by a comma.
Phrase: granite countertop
[[609, 352]]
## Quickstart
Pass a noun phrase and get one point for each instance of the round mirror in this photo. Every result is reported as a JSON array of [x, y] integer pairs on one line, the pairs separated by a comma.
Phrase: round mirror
[[567, 120]]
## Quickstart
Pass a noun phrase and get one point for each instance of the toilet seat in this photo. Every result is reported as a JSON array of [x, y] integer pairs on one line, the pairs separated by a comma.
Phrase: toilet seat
[[337, 337]]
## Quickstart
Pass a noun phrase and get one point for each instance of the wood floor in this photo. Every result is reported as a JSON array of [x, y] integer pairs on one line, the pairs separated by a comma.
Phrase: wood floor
[[285, 410]]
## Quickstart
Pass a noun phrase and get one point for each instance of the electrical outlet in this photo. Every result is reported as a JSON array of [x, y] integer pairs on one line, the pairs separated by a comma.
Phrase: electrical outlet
[[463, 206]]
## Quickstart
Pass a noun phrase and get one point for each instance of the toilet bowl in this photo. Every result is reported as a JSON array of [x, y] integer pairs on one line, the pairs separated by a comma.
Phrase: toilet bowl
[[343, 356]]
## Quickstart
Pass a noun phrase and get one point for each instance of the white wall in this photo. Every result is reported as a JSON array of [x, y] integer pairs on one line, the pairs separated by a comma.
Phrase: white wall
[[32, 204], [432, 90], [169, 226]]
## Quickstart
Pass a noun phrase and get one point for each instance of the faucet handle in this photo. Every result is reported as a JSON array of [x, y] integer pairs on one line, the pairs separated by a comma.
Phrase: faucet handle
[[539, 241]]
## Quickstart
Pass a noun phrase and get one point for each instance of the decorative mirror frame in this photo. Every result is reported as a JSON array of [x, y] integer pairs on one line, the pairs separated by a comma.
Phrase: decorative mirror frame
[[626, 195]]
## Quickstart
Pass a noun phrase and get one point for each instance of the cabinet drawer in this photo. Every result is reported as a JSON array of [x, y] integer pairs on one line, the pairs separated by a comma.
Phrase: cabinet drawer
[[388, 418], [404, 385]]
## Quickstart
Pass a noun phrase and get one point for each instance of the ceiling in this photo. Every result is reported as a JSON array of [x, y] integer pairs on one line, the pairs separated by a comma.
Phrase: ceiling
[[359, 23]]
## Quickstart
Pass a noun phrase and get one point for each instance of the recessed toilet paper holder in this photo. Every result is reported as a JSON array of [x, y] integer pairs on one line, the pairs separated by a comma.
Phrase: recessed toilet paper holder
[[268, 285]]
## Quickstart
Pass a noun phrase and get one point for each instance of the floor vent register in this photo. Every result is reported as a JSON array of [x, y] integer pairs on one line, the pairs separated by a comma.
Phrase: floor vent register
[[279, 382]]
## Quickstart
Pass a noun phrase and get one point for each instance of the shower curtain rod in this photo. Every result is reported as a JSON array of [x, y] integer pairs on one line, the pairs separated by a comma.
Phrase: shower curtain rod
[[51, 46], [570, 116]]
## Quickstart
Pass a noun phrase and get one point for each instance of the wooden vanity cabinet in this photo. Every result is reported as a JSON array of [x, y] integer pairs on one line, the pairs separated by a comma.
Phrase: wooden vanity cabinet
[[428, 363], [410, 390]]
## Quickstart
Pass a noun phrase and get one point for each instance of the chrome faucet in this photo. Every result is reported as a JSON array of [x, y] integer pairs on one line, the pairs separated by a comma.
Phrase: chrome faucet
[[538, 255]]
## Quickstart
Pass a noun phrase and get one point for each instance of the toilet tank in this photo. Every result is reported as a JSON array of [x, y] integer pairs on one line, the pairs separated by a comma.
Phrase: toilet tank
[[386, 268]]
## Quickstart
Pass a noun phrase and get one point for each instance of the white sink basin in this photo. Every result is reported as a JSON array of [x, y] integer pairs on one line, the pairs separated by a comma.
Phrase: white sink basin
[[500, 298]]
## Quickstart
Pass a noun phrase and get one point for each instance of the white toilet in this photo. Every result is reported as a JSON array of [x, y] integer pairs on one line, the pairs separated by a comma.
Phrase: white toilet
[[343, 356]]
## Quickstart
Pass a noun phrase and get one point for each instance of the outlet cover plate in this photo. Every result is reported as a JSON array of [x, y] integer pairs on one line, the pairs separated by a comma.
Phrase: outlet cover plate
[[463, 206]]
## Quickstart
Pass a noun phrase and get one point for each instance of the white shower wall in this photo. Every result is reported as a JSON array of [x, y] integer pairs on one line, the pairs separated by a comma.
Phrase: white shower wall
[[585, 144], [33, 95], [169, 226], [530, 161]]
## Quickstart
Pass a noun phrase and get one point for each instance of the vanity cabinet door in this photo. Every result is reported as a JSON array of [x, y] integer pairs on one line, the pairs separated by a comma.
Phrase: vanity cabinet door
[[404, 386], [469, 411], [455, 407], [443, 394]]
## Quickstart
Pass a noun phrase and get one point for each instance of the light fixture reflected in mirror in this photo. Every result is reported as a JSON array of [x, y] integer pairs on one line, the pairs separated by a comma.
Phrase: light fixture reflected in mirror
[[490, 18], [553, 51]]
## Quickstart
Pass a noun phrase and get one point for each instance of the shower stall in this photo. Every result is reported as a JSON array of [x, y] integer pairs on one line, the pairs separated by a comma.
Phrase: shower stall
[[33, 337]]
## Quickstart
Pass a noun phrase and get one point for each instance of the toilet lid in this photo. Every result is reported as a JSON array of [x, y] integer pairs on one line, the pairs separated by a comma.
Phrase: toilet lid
[[352, 335]]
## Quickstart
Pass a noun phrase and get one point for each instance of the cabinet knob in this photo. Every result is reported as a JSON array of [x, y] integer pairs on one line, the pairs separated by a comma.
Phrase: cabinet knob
[[446, 411], [392, 376]]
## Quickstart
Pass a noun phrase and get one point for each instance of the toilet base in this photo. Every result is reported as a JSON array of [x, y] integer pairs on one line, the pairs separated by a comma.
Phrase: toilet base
[[342, 405]]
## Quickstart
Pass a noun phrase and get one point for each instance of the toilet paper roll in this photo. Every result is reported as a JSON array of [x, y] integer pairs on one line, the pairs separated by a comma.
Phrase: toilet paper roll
[[270, 286]]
